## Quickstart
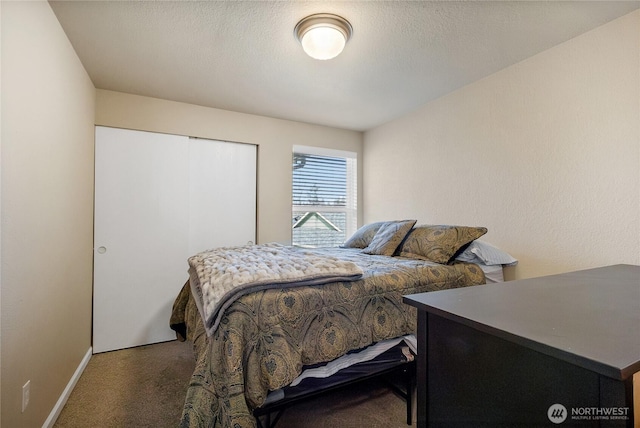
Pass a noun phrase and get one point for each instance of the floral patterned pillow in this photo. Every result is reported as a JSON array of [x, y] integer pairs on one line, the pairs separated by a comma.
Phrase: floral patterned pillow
[[439, 244]]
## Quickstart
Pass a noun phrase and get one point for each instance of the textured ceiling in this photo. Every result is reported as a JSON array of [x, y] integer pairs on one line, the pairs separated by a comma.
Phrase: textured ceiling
[[242, 55]]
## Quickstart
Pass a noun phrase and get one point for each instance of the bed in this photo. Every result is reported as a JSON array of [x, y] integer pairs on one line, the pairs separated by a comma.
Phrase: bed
[[263, 339]]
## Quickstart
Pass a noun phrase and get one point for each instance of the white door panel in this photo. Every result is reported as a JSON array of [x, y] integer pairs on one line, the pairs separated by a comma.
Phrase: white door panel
[[140, 224], [158, 200], [222, 194]]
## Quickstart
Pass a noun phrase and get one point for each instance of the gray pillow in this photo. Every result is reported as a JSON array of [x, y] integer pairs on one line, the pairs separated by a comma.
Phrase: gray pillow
[[388, 237], [363, 236]]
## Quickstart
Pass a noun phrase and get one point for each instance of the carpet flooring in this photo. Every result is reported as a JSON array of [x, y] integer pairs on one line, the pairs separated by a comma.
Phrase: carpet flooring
[[146, 386]]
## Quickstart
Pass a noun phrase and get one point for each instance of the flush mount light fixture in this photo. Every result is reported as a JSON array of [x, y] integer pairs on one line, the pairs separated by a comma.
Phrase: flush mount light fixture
[[323, 35]]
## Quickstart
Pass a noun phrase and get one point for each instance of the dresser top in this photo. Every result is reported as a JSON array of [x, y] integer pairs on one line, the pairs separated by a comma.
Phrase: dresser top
[[590, 318]]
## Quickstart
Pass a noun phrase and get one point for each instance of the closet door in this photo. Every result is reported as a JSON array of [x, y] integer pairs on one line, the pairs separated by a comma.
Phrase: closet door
[[158, 200], [140, 230], [222, 194]]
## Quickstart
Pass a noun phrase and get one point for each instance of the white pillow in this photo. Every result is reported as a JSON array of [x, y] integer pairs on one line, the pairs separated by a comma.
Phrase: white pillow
[[482, 252]]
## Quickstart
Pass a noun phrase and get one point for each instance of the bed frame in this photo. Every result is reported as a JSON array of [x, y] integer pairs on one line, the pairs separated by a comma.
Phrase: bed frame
[[389, 365]]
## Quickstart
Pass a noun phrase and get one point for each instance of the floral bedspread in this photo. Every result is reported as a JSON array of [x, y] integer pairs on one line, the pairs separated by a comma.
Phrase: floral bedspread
[[265, 338]]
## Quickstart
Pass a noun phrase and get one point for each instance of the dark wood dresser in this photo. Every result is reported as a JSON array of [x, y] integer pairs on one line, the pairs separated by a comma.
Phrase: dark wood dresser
[[555, 350]]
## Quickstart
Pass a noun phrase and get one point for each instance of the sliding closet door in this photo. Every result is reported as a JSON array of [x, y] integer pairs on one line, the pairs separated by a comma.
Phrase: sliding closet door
[[140, 245], [222, 194], [158, 200]]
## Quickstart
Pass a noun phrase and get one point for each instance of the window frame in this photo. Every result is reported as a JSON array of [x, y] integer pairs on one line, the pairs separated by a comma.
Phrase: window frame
[[351, 201]]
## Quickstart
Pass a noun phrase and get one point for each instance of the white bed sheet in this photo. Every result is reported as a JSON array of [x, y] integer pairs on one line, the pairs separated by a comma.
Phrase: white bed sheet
[[493, 273]]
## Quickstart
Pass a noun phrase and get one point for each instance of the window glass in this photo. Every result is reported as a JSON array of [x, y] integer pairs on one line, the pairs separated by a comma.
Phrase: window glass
[[324, 199]]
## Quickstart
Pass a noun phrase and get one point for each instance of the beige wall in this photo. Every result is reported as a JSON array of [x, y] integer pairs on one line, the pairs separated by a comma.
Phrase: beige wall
[[275, 139], [545, 153], [47, 211]]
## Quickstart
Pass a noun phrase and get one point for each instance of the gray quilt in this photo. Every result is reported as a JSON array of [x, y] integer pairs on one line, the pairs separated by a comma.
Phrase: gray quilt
[[221, 275]]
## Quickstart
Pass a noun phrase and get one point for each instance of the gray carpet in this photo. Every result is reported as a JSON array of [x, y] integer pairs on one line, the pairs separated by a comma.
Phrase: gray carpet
[[145, 387]]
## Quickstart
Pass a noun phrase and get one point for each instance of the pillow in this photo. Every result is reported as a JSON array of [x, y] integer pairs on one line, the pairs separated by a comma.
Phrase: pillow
[[363, 236], [439, 244], [487, 254], [388, 238]]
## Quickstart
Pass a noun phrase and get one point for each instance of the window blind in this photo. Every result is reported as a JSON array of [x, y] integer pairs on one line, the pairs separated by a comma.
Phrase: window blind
[[319, 180], [323, 199]]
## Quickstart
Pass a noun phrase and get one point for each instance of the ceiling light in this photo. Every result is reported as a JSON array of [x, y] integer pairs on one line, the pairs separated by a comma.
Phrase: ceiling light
[[323, 36]]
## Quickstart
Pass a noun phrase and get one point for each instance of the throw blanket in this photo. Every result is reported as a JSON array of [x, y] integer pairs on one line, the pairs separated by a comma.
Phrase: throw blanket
[[220, 276]]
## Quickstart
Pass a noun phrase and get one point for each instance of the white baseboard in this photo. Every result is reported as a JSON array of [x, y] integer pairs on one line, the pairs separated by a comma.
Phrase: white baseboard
[[55, 412]]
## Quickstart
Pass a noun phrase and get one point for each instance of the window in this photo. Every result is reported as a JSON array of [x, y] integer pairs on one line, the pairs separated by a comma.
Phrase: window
[[324, 197]]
